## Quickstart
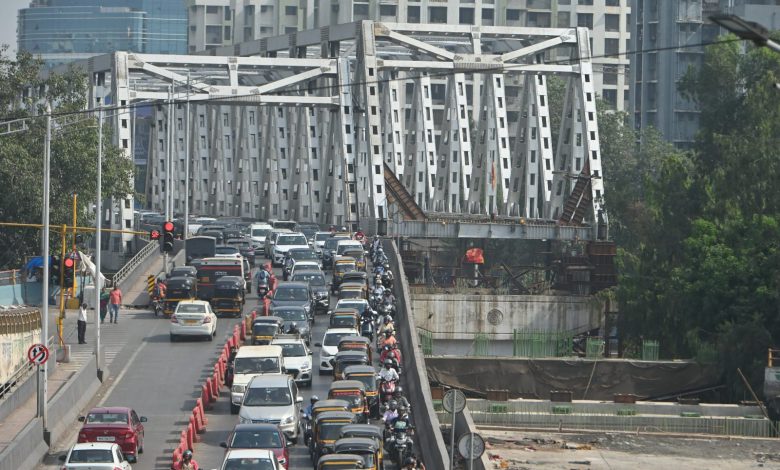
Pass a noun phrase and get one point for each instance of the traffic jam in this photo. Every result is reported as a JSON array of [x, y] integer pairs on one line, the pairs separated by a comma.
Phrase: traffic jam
[[312, 371]]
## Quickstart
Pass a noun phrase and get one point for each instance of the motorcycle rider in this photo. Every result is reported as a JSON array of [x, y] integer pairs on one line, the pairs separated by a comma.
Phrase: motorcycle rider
[[388, 299], [391, 352], [413, 463], [389, 339], [398, 396], [263, 277], [387, 325], [288, 264], [388, 374], [186, 462], [387, 276], [391, 414], [308, 409]]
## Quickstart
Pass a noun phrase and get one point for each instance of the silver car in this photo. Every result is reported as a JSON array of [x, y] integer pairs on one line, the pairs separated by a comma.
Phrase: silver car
[[273, 398]]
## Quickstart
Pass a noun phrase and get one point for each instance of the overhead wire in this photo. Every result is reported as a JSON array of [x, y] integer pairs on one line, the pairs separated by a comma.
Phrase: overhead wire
[[243, 98]]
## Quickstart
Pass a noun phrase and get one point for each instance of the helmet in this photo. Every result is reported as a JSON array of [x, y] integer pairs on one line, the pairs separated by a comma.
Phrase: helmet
[[399, 390], [388, 333], [343, 229], [388, 363], [387, 292], [187, 454], [393, 405], [409, 461], [387, 265], [388, 319], [314, 399]]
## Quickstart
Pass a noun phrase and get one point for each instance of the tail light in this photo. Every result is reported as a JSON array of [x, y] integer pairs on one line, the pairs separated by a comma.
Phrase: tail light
[[129, 435], [82, 435], [206, 319], [174, 319]]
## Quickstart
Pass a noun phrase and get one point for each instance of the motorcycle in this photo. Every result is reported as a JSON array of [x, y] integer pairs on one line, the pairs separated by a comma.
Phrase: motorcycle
[[306, 429], [400, 442], [386, 390], [157, 306], [367, 327], [262, 289], [386, 308]]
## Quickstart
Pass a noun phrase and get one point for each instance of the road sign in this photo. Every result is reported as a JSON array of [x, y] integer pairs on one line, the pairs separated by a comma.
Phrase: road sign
[[454, 400], [471, 446], [38, 354], [154, 234]]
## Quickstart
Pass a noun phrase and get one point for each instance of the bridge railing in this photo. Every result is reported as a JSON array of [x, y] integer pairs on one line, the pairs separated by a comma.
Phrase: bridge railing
[[432, 448], [134, 262]]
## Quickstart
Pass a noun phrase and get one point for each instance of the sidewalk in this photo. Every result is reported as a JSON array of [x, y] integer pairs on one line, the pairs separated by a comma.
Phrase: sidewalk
[[113, 339]]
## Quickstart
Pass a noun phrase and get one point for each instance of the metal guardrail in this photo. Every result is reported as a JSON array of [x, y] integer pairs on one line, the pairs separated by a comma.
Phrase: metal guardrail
[[134, 262]]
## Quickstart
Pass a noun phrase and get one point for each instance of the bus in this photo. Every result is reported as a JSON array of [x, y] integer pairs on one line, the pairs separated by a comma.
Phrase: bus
[[196, 248], [211, 269]]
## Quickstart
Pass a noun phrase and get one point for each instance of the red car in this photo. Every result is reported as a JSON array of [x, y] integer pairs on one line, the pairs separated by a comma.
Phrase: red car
[[115, 424], [260, 436]]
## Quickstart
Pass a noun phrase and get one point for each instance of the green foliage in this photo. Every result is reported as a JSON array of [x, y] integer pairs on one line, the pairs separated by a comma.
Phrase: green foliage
[[73, 157]]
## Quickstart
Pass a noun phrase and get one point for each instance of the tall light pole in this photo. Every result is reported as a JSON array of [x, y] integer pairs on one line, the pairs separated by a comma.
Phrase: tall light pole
[[43, 383], [186, 230], [98, 245], [748, 30]]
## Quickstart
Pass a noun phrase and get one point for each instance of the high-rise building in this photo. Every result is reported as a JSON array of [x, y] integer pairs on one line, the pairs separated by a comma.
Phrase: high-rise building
[[61, 31], [667, 38], [216, 23]]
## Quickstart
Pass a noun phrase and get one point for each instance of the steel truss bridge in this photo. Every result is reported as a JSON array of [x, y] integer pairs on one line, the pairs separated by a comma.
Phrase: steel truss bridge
[[440, 130]]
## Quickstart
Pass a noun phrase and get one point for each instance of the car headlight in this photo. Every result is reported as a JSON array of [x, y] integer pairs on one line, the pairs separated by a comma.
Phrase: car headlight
[[306, 365], [288, 419], [244, 420], [238, 388]]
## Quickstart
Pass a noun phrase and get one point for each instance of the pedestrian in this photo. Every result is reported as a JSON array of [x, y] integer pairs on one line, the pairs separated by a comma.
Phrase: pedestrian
[[103, 304], [114, 301], [82, 323]]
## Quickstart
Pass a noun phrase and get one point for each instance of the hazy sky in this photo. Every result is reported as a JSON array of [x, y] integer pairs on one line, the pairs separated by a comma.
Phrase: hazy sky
[[8, 14]]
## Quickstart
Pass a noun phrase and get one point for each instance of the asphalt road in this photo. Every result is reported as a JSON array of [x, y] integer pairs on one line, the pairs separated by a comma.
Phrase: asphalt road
[[161, 380]]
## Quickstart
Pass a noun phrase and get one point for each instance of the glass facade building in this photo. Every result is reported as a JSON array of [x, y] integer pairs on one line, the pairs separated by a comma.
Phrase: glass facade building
[[60, 31]]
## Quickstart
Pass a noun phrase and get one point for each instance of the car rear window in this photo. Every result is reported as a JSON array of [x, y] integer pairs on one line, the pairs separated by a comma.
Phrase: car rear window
[[190, 308], [256, 439], [248, 463], [91, 456], [107, 418], [292, 240]]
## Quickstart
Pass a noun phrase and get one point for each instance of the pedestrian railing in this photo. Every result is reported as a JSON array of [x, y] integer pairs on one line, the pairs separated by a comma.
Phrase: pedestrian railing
[[134, 262]]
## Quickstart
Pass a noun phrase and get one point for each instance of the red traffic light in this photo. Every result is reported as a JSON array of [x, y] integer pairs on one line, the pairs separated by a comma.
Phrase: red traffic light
[[154, 234], [68, 262], [168, 226]]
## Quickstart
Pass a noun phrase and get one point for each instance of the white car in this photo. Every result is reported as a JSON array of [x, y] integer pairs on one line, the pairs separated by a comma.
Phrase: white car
[[193, 318], [319, 241], [259, 459], [285, 242], [297, 358], [305, 265], [95, 456], [330, 346], [259, 232]]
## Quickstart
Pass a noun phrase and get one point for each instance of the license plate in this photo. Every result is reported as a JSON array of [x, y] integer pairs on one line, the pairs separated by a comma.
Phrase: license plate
[[106, 438], [191, 322]]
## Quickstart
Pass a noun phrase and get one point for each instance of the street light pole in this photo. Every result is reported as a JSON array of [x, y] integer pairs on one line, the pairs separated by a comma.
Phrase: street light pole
[[748, 30], [43, 383], [186, 230], [98, 244]]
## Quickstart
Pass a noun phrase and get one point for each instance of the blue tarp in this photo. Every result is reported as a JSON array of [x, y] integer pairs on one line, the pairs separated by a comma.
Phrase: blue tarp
[[37, 262]]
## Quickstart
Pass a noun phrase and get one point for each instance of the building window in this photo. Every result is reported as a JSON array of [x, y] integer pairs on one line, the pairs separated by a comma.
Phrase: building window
[[413, 14], [512, 15], [360, 11], [388, 10], [564, 19], [612, 22], [227, 35], [585, 20], [437, 15], [291, 10], [488, 16], [611, 47], [585, 2], [612, 3], [266, 9], [539, 20], [290, 29], [610, 97], [212, 10], [251, 117], [466, 16]]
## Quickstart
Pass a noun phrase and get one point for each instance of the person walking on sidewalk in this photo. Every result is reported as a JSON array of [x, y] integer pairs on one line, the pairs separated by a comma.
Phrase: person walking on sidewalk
[[103, 303], [114, 301], [82, 323]]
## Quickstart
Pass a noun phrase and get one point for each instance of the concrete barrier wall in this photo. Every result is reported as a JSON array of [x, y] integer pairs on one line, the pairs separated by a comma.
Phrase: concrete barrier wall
[[66, 405], [432, 448], [459, 316], [465, 424], [26, 450]]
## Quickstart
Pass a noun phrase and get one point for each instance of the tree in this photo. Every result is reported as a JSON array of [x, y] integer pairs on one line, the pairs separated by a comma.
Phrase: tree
[[73, 156]]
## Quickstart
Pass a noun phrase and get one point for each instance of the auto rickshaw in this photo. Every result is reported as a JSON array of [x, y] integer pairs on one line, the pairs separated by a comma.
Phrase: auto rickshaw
[[362, 446], [229, 296], [325, 430], [360, 258], [344, 359], [323, 406], [177, 289], [359, 277], [341, 265], [184, 271], [356, 343], [351, 290], [345, 318], [340, 462], [353, 391], [264, 329], [366, 431], [367, 375]]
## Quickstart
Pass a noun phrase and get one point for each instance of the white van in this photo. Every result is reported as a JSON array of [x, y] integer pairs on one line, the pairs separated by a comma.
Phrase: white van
[[344, 245], [249, 362], [258, 232]]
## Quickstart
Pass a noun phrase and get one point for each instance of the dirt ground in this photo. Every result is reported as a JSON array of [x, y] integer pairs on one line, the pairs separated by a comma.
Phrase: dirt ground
[[520, 450]]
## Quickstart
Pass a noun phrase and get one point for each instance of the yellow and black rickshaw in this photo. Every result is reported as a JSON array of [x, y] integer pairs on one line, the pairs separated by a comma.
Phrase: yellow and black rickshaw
[[325, 431], [177, 289], [340, 462], [351, 290], [356, 277], [362, 446], [341, 265], [328, 405], [229, 296], [265, 329], [367, 375], [360, 258], [356, 343], [355, 393], [344, 359], [368, 431], [344, 318]]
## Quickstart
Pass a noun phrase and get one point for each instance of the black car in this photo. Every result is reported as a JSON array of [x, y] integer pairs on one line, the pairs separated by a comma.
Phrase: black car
[[259, 436], [297, 316], [244, 247], [296, 294], [318, 288]]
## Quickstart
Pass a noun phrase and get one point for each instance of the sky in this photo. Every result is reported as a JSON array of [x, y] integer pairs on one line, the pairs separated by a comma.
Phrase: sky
[[8, 13]]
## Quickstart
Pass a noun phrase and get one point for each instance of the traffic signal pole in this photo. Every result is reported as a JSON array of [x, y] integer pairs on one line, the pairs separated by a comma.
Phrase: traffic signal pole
[[98, 232], [43, 380]]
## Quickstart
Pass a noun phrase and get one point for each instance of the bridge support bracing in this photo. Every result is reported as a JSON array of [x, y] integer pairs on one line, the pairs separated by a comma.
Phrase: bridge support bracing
[[301, 125]]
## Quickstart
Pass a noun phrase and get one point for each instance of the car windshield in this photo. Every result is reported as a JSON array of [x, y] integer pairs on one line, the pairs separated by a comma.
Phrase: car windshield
[[291, 240], [226, 250], [331, 243], [190, 308], [267, 439], [314, 279], [299, 255], [318, 237], [254, 365], [343, 321], [333, 339], [260, 232], [290, 314], [291, 294], [330, 431], [344, 267], [108, 418], [248, 463], [268, 396], [293, 350], [359, 306], [91, 456]]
